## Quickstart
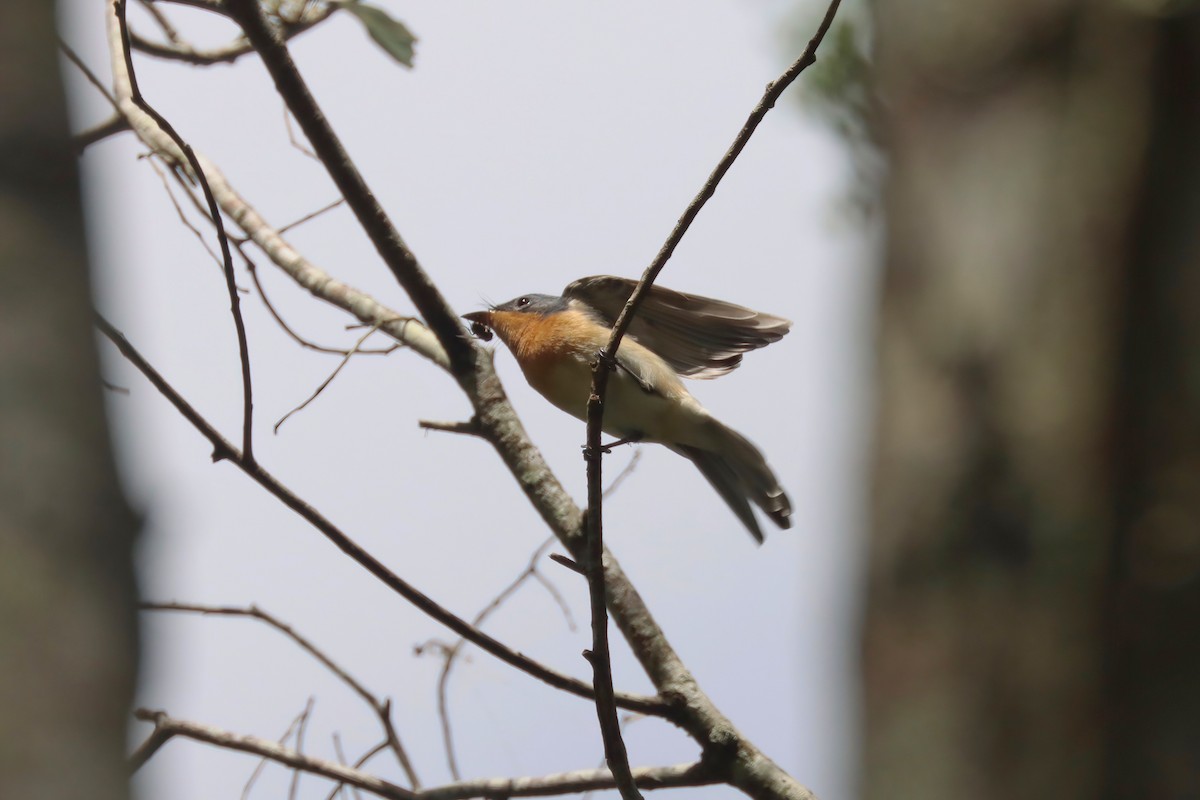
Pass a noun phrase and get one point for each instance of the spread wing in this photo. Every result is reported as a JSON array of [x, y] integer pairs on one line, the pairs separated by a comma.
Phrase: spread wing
[[698, 336]]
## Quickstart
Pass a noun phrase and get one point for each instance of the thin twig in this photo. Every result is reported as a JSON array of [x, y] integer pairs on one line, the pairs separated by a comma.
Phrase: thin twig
[[295, 784], [382, 708], [626, 471], [252, 268], [114, 124], [157, 738], [452, 652], [160, 18], [468, 427], [114, 388], [87, 73], [100, 131], [187, 223], [262, 762], [569, 563], [337, 748], [379, 748], [312, 216], [287, 124], [224, 450], [215, 214], [177, 50], [606, 709], [325, 383]]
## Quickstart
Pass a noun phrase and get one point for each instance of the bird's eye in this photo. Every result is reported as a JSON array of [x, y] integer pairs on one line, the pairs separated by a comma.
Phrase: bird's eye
[[522, 302]]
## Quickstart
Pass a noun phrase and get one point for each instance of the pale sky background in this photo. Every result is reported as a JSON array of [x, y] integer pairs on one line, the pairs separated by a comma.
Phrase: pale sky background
[[533, 144]]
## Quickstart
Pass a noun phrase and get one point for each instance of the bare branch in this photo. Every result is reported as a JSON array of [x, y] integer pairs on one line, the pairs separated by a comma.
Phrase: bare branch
[[569, 563], [87, 72], [295, 784], [451, 652], [468, 428], [573, 782], [312, 216], [318, 282], [175, 49], [341, 364], [224, 450], [114, 124], [157, 738], [625, 472], [606, 710], [101, 131], [187, 223], [275, 752], [738, 760], [262, 762], [697, 774], [433, 308], [252, 268], [337, 748], [382, 708], [161, 20], [214, 211]]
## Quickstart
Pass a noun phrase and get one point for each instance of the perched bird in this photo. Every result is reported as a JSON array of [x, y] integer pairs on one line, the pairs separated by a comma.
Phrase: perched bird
[[556, 340]]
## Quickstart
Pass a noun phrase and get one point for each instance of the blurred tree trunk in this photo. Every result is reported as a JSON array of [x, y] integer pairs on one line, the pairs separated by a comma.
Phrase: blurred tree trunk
[[1033, 622], [67, 625]]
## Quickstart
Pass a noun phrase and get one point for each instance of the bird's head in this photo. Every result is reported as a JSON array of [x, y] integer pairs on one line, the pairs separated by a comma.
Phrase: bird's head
[[509, 319]]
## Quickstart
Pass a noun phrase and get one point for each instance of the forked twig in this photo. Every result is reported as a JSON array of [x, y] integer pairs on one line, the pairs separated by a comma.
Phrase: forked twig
[[325, 383], [382, 708]]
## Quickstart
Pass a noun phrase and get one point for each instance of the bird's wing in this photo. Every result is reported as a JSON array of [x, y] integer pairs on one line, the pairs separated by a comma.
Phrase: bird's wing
[[698, 336]]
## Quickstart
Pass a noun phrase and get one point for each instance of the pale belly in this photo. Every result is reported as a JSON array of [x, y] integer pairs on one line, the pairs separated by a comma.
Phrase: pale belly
[[630, 411]]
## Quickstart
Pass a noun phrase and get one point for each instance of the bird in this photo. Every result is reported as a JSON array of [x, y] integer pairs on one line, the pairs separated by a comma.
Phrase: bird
[[556, 339]]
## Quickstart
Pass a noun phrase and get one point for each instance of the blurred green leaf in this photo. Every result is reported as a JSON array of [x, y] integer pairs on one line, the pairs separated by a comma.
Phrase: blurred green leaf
[[390, 34]]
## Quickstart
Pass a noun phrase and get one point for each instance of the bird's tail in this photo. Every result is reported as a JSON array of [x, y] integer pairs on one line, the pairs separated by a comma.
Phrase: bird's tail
[[739, 473]]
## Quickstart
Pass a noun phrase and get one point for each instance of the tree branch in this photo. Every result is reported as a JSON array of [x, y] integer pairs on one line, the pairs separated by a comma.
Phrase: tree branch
[[734, 758], [433, 308], [602, 670], [451, 653], [178, 50], [224, 450], [166, 727], [381, 708], [318, 282], [235, 303]]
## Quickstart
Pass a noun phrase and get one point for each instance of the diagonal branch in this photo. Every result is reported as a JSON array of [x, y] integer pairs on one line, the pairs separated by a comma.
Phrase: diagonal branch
[[434, 309], [224, 450], [381, 708]]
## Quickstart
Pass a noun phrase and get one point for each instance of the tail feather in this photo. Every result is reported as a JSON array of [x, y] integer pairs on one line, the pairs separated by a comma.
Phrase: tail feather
[[739, 473], [725, 480]]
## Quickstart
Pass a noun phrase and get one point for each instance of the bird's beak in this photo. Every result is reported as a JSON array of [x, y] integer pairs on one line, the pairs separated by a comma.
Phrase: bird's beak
[[481, 322]]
